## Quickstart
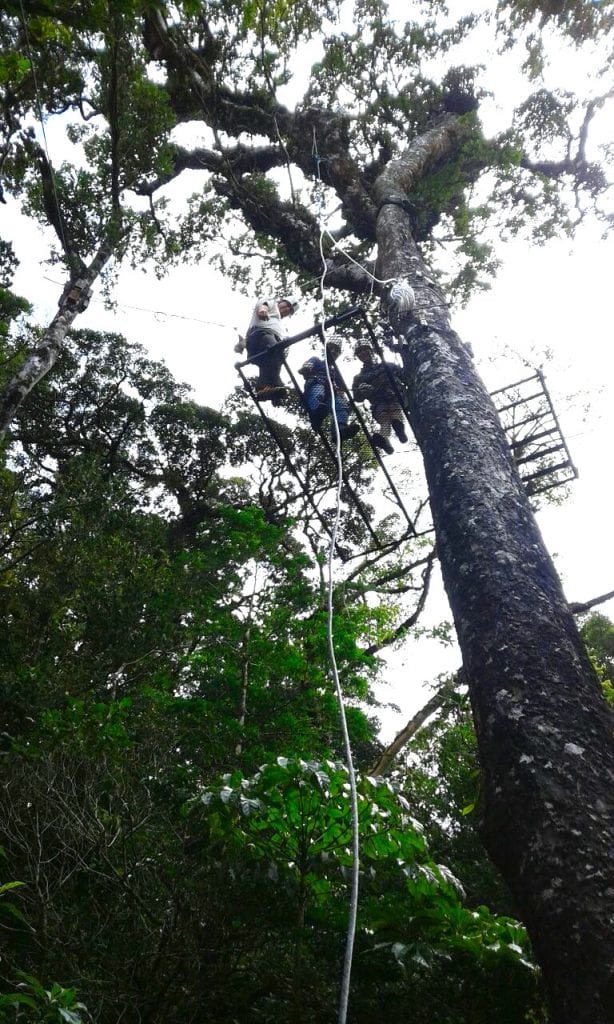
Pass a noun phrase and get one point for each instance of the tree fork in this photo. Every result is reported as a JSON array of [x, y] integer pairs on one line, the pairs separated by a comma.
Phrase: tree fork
[[544, 730]]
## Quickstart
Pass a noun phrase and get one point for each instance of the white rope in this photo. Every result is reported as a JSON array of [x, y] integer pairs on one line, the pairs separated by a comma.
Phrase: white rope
[[344, 988], [374, 279], [402, 294]]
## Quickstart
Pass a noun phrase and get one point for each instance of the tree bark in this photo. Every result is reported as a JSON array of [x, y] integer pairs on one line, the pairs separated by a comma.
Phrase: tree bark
[[544, 730]]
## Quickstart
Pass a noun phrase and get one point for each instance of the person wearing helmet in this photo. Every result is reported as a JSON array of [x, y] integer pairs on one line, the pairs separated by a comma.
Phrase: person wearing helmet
[[317, 393], [264, 334], [374, 384]]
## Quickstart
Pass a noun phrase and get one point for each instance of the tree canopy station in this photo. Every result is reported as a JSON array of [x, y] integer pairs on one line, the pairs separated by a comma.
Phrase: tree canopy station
[[525, 409], [333, 149], [364, 454]]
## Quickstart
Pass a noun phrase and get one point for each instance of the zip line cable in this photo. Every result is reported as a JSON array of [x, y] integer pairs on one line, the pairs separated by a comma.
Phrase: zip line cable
[[344, 990], [157, 312]]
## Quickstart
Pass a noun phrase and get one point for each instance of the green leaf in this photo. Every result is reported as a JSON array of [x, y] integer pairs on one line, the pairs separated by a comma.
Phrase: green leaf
[[7, 886]]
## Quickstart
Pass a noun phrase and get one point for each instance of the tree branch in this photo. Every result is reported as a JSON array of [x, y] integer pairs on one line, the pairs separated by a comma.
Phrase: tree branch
[[431, 147], [411, 620], [114, 118], [317, 140], [578, 607], [583, 171], [238, 160], [386, 758]]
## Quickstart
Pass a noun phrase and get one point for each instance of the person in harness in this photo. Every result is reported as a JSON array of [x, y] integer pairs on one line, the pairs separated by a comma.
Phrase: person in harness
[[317, 393], [374, 383], [264, 334]]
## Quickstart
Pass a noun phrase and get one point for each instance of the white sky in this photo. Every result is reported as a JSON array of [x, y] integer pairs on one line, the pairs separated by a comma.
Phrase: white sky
[[557, 297]]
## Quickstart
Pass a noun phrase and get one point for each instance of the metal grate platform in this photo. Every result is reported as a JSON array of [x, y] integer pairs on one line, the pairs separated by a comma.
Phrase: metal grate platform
[[535, 437]]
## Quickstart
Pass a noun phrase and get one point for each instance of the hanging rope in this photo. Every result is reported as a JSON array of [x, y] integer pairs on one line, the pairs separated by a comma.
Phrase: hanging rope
[[344, 991]]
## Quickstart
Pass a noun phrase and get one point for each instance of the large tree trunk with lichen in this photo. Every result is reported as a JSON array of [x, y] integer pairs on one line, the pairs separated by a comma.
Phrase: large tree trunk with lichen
[[37, 364], [74, 300], [544, 730]]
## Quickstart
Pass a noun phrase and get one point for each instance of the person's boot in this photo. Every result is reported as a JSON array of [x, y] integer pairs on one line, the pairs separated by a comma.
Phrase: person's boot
[[345, 433], [399, 428], [382, 442], [316, 418]]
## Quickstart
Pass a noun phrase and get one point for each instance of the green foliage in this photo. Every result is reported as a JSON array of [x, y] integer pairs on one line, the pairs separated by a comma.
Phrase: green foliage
[[144, 556], [13, 68], [290, 824], [129, 95], [56, 1005], [162, 631], [442, 778], [597, 631], [33, 1001], [296, 813], [11, 305], [579, 20], [9, 911], [544, 116]]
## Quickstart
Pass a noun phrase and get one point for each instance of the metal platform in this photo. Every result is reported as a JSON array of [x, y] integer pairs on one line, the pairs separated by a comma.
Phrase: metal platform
[[535, 437]]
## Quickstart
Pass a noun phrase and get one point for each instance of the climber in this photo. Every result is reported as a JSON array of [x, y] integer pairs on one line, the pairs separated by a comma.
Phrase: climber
[[374, 384], [317, 393], [265, 333]]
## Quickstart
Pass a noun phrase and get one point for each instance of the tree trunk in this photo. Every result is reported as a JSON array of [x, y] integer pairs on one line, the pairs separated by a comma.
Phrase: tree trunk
[[74, 300], [544, 730]]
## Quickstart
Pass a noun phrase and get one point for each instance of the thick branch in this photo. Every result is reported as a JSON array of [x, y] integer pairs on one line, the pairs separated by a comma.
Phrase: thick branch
[[297, 229], [350, 277], [237, 160], [578, 608], [386, 758], [317, 140], [431, 147]]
